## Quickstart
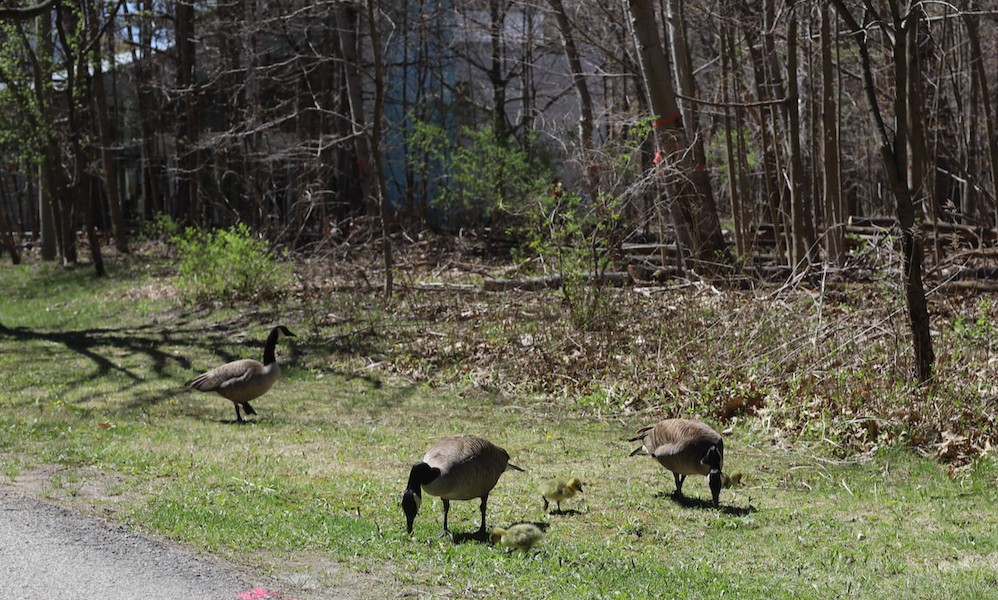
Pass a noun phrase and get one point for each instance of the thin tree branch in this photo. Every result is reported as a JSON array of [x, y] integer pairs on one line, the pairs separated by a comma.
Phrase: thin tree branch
[[28, 12]]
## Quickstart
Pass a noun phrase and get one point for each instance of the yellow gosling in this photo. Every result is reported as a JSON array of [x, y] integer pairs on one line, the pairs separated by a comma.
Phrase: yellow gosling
[[557, 490], [518, 537]]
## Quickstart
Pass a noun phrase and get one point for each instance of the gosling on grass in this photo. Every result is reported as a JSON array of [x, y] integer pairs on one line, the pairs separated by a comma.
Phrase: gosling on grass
[[558, 489], [685, 447], [243, 380], [459, 467], [518, 537]]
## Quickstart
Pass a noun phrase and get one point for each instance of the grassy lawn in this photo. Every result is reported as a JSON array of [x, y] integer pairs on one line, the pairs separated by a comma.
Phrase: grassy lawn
[[93, 413]]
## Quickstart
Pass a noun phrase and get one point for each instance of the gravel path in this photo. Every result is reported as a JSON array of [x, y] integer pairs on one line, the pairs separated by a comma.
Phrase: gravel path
[[49, 553]]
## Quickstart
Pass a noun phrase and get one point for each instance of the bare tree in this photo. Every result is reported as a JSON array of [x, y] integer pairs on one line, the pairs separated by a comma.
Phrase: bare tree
[[831, 166], [693, 211], [894, 155], [188, 130], [367, 142]]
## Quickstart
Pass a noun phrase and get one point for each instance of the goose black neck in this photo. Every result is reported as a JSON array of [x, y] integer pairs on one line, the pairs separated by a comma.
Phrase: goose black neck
[[269, 356], [420, 475]]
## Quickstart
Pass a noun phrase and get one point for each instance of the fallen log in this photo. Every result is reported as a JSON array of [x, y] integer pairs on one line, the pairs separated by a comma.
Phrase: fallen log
[[553, 281]]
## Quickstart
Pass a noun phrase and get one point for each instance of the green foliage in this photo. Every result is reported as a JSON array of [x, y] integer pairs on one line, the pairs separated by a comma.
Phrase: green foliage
[[578, 237], [161, 227], [482, 175], [229, 264], [980, 329], [23, 128]]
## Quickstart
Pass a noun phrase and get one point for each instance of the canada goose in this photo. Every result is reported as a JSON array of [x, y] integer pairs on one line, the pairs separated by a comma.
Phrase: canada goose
[[518, 537], [733, 480], [243, 380], [459, 467], [558, 490], [686, 448]]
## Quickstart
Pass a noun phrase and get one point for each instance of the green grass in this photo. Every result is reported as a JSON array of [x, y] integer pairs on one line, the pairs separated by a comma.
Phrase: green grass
[[92, 389]]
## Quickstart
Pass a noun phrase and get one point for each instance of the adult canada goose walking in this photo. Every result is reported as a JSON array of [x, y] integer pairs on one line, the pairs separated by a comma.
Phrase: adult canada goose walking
[[459, 467], [243, 380], [686, 448]]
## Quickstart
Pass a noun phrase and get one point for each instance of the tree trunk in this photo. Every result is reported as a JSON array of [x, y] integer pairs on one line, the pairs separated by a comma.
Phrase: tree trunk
[[801, 234], [187, 116], [346, 23], [497, 16], [977, 60], [767, 126], [80, 192], [691, 117], [107, 155], [49, 182], [831, 168], [8, 239], [376, 125], [894, 159], [731, 156], [581, 89], [692, 210]]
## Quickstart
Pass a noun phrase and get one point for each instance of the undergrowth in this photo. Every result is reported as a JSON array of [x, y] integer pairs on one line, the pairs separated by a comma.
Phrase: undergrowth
[[229, 264], [831, 364]]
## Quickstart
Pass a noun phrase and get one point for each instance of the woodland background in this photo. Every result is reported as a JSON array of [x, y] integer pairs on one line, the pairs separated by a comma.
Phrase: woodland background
[[641, 139]]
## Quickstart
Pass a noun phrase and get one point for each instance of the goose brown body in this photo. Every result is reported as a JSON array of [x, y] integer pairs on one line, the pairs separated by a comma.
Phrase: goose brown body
[[685, 447], [239, 381], [460, 467], [243, 380]]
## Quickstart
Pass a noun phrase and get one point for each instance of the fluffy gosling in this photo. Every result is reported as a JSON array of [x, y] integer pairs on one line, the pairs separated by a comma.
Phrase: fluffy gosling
[[518, 537], [558, 489]]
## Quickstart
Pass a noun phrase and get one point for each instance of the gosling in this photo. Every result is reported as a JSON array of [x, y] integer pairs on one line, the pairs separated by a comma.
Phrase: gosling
[[558, 490], [518, 537]]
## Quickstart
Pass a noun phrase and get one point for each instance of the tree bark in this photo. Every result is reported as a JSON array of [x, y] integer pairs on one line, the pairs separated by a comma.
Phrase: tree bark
[[187, 116], [377, 121], [7, 238], [346, 23], [80, 191], [835, 220], [977, 65], [581, 88], [731, 156], [802, 234]]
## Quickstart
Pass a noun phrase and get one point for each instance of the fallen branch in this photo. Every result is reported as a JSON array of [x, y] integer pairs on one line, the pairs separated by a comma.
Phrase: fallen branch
[[553, 281]]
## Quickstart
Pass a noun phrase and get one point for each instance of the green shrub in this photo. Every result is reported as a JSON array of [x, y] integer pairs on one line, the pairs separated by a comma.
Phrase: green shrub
[[578, 237], [482, 179], [161, 227], [229, 264]]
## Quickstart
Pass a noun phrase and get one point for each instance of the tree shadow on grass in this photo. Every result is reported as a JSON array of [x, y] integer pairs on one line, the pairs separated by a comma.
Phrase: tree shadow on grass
[[97, 345], [141, 355], [144, 340]]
